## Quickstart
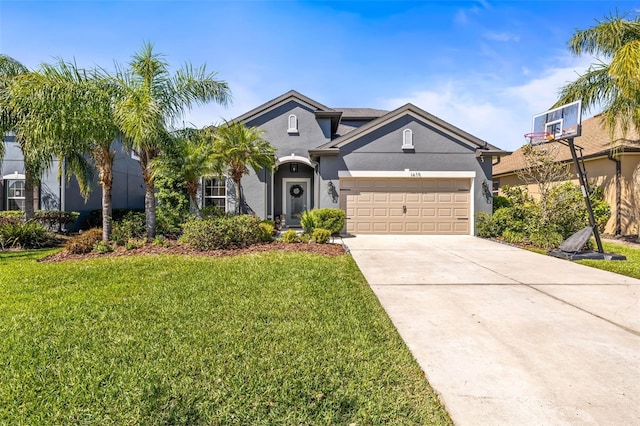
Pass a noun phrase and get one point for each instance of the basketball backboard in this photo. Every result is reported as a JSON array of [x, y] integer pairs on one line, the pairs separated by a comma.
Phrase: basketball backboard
[[559, 123]]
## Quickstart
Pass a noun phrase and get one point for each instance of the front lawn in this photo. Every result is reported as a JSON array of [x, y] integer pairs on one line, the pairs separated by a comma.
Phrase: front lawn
[[271, 338], [629, 267]]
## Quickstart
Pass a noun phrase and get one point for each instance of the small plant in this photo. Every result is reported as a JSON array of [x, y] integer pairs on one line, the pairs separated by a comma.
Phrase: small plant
[[304, 238], [102, 247], [161, 241], [290, 236], [84, 242], [267, 230], [307, 221], [321, 236], [15, 233], [134, 243]]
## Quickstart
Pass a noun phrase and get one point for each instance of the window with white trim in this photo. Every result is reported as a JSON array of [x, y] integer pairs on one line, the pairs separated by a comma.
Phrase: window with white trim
[[407, 139], [293, 124], [15, 194], [214, 192]]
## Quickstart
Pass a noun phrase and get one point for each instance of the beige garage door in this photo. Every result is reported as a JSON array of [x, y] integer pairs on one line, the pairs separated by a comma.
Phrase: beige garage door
[[406, 206]]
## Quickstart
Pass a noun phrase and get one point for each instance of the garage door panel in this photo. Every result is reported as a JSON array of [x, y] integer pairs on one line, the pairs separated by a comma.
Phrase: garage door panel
[[413, 206]]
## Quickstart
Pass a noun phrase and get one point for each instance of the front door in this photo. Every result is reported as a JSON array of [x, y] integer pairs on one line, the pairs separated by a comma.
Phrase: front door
[[295, 200]]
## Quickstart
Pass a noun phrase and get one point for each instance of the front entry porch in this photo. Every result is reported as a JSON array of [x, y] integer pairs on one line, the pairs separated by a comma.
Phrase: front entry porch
[[293, 192]]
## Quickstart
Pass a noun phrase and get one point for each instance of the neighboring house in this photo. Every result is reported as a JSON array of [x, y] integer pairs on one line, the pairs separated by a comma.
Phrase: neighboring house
[[401, 171], [612, 165], [55, 193]]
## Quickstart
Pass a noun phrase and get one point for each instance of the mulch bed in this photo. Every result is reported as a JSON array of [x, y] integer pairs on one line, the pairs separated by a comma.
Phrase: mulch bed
[[183, 249]]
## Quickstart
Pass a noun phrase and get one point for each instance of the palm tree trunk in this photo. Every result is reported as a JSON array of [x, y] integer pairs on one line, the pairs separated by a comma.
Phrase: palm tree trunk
[[149, 195], [107, 212], [150, 209], [28, 194], [236, 184], [636, 196], [104, 162], [196, 207]]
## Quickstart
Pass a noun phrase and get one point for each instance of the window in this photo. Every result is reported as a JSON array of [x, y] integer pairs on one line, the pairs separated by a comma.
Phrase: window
[[215, 192], [407, 139], [293, 124], [15, 194]]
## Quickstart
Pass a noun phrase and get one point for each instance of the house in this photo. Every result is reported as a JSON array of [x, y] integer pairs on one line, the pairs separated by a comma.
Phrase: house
[[55, 193], [400, 171], [612, 165]]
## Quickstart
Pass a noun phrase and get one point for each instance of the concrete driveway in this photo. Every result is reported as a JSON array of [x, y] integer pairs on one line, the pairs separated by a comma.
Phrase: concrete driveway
[[510, 337]]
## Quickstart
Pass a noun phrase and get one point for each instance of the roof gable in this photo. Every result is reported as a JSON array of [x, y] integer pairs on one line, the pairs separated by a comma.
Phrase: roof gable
[[418, 113], [286, 97]]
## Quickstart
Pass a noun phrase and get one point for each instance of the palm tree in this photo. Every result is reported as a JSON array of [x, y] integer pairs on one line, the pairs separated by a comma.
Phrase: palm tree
[[187, 160], [614, 86], [150, 101], [72, 115], [239, 147], [11, 118]]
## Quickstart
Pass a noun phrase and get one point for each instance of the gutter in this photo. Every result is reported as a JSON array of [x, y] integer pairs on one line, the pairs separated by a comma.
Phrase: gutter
[[618, 162]]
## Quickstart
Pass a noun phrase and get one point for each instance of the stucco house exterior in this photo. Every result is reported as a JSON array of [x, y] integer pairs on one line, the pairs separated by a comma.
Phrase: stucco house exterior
[[612, 165], [400, 171], [55, 193]]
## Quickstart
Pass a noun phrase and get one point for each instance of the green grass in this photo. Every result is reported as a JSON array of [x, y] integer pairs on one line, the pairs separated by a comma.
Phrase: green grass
[[629, 267], [273, 338]]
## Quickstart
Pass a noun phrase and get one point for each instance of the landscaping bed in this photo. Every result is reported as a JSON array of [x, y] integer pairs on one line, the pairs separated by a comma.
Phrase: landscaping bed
[[175, 247]]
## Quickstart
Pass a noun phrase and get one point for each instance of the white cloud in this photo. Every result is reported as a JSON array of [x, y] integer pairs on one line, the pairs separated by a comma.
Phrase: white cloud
[[498, 115]]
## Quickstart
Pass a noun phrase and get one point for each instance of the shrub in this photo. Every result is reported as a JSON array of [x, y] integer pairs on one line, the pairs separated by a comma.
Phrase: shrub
[[328, 218], [15, 233], [84, 242], [499, 202], [267, 230], [131, 226], [212, 211], [54, 219], [290, 236], [546, 239], [321, 235], [222, 232], [515, 237], [102, 247], [15, 215], [94, 220], [307, 221], [486, 226]]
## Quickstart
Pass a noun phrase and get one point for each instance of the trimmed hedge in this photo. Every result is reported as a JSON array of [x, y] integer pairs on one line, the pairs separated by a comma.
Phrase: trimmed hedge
[[223, 232]]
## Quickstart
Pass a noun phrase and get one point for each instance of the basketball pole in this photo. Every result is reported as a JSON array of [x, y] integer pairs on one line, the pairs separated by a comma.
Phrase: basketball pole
[[584, 187]]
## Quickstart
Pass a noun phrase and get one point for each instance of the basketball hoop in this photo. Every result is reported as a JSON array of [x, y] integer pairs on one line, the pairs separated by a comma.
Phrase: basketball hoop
[[536, 138]]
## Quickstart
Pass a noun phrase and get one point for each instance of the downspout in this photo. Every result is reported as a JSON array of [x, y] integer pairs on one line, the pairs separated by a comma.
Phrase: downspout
[[618, 230]]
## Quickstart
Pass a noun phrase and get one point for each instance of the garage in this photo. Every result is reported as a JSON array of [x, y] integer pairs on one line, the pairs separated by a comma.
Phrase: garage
[[437, 206]]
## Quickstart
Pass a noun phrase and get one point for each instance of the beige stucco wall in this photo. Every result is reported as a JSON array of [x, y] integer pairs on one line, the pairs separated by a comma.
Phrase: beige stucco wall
[[601, 172]]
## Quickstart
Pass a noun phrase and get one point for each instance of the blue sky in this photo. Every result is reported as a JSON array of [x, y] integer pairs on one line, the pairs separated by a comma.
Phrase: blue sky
[[484, 66]]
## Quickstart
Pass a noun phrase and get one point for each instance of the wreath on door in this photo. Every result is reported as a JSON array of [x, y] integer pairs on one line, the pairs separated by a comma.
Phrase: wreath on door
[[296, 191]]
